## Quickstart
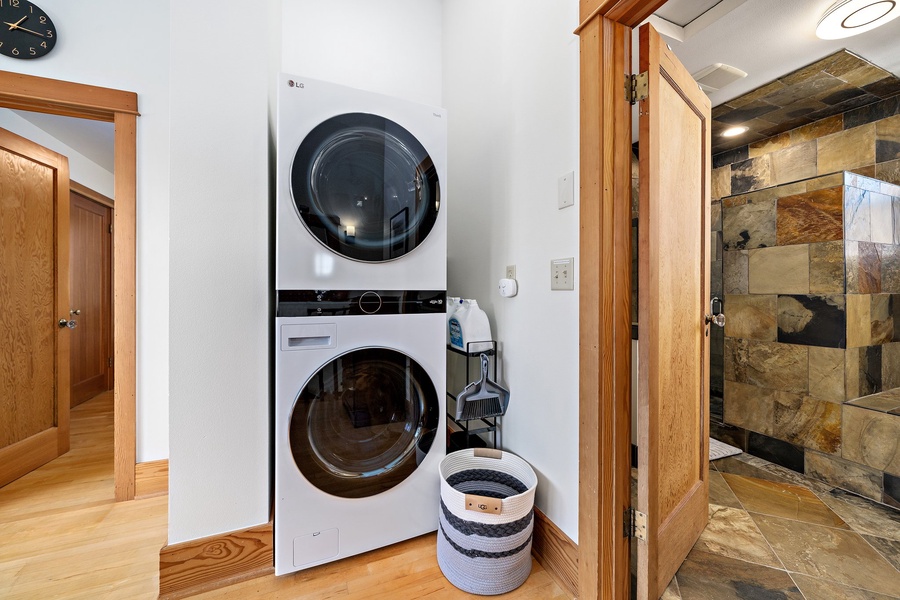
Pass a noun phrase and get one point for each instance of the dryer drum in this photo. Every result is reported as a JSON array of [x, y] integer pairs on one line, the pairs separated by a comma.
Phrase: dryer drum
[[356, 424], [365, 187]]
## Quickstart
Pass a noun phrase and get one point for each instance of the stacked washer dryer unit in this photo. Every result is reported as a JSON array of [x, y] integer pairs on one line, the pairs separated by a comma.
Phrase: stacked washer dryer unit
[[361, 274]]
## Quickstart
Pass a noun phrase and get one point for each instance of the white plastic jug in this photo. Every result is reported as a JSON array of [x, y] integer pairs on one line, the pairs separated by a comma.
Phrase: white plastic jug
[[470, 324], [453, 304]]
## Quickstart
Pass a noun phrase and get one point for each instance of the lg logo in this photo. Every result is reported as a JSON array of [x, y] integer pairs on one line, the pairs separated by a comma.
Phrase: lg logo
[[292, 83]]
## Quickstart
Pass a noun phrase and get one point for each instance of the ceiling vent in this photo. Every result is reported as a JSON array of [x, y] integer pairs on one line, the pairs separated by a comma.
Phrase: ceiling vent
[[717, 76]]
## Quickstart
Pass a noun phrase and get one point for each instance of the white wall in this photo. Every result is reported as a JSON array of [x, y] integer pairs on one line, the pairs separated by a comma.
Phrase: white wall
[[511, 92], [219, 271], [81, 168], [126, 46]]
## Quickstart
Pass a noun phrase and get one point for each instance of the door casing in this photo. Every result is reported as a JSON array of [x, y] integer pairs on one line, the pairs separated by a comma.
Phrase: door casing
[[52, 96]]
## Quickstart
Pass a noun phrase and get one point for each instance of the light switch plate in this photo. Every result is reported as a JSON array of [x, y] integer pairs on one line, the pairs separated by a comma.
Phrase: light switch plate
[[566, 190], [562, 274]]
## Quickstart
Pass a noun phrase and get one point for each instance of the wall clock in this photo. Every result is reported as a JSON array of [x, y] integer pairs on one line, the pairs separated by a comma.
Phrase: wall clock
[[25, 30]]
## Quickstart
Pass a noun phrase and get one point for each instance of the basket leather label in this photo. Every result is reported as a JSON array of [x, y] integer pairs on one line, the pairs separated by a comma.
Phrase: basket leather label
[[483, 504], [488, 453]]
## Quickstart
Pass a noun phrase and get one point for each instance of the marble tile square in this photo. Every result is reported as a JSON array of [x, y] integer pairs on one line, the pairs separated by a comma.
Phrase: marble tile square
[[882, 402], [880, 311], [770, 144], [705, 576], [843, 474], [859, 320], [825, 181], [871, 113], [779, 270], [861, 181], [730, 156], [889, 549], [888, 171], [758, 468], [770, 365], [731, 532], [812, 320], [749, 225], [826, 374], [735, 271], [890, 365], [862, 371], [882, 215], [756, 173], [865, 516], [847, 149], [863, 265], [872, 438], [887, 139], [784, 500], [808, 422], [794, 163], [842, 556], [749, 407], [889, 255], [811, 217], [891, 495], [751, 317], [779, 452], [857, 215], [814, 588], [826, 268], [721, 182], [719, 492], [817, 129]]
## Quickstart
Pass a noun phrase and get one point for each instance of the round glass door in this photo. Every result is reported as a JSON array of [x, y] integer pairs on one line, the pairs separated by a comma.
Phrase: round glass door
[[363, 422], [365, 187]]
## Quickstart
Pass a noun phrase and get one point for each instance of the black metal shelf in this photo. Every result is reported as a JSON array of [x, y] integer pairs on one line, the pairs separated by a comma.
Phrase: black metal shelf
[[483, 424]]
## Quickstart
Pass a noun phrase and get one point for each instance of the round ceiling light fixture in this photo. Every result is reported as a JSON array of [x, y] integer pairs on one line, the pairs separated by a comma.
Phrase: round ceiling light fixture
[[733, 131], [852, 17]]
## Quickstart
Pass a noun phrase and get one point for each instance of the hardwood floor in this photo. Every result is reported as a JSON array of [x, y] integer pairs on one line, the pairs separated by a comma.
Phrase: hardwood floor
[[62, 536]]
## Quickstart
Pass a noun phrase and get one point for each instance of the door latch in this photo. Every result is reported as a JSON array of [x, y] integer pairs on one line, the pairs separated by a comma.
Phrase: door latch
[[63, 323], [716, 316]]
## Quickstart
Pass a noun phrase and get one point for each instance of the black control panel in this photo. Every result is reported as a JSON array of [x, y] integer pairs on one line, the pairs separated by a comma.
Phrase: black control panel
[[326, 303]]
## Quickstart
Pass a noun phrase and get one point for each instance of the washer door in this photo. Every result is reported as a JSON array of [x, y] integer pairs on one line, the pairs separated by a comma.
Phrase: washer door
[[361, 420], [365, 187]]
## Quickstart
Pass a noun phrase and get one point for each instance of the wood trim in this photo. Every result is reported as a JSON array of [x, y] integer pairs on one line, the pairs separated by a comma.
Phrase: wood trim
[[604, 311], [91, 195], [630, 13], [556, 552], [124, 303], [214, 562], [27, 455], [151, 479], [39, 94]]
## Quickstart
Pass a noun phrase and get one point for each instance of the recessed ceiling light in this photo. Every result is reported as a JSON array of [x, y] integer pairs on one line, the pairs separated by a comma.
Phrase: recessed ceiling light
[[852, 17], [733, 131]]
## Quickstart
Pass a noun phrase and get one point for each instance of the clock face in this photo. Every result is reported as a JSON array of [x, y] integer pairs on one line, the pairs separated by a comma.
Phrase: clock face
[[25, 30]]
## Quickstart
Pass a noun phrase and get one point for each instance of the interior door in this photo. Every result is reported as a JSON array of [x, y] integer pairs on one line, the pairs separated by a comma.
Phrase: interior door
[[673, 343], [34, 297], [91, 348]]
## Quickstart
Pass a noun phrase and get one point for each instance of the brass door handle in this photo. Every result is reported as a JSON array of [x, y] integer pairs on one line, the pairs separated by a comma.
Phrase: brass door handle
[[64, 323]]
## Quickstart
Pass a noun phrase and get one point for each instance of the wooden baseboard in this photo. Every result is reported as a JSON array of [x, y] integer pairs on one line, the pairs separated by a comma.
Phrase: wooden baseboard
[[151, 479], [556, 552], [210, 563]]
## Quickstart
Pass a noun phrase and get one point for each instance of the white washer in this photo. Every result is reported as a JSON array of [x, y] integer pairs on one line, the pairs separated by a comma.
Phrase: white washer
[[359, 422], [361, 190]]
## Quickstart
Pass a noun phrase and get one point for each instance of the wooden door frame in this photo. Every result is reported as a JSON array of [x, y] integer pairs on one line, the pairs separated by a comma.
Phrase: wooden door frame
[[51, 96], [605, 295]]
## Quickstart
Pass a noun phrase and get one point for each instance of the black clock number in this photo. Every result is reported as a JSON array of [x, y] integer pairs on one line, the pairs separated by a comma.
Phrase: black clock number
[[26, 31]]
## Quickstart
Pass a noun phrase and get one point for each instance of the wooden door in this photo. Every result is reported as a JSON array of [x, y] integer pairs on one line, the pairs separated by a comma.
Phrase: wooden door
[[673, 344], [34, 296], [91, 348]]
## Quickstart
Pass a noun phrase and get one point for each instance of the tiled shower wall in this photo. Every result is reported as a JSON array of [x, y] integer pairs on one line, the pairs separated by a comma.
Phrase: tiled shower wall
[[810, 325], [799, 170]]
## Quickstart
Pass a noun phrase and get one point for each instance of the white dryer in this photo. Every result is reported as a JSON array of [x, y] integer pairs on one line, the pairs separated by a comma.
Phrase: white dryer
[[361, 190], [359, 421]]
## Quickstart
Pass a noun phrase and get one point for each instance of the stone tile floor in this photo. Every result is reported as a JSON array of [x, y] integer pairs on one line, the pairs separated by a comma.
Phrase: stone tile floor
[[775, 534]]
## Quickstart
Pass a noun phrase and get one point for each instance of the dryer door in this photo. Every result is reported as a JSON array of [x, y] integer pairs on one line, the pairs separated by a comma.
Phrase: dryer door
[[365, 187], [363, 422]]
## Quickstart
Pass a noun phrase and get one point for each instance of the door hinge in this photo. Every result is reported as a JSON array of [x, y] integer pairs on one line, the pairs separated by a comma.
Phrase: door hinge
[[637, 87], [110, 227], [635, 523], [109, 361]]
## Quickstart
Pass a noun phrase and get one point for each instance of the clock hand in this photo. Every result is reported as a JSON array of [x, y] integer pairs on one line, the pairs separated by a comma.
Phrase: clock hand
[[16, 24], [30, 31]]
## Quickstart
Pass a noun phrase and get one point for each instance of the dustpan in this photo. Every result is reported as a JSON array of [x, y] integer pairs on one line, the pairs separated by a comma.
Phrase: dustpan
[[483, 398]]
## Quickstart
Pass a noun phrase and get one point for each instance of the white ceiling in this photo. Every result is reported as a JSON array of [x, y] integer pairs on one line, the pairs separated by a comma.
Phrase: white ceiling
[[768, 39], [92, 139]]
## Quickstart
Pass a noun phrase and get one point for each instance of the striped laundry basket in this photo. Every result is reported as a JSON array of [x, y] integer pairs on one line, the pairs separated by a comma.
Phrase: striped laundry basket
[[486, 520]]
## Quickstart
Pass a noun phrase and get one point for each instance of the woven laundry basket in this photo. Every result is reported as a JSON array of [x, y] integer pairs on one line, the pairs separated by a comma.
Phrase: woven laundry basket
[[486, 520]]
